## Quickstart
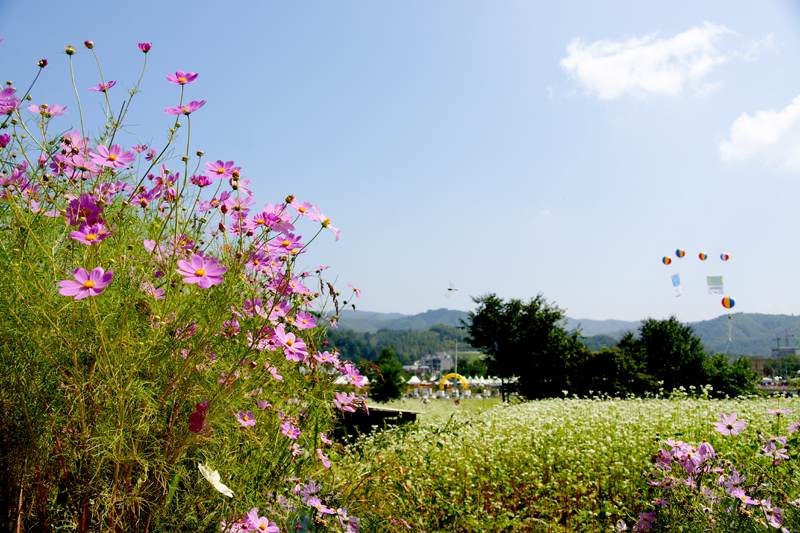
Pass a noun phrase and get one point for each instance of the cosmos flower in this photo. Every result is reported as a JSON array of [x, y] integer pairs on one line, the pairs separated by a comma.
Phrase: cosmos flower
[[102, 87], [86, 283], [212, 476], [729, 425], [180, 77], [191, 107], [203, 271]]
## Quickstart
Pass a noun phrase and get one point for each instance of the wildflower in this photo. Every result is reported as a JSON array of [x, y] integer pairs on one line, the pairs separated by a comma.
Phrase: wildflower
[[260, 524], [297, 451], [86, 283], [43, 63], [212, 476], [325, 462], [197, 420], [112, 157], [293, 347], [290, 431], [779, 412], [102, 87], [794, 427], [204, 272], [88, 44], [151, 154], [325, 221], [201, 181], [324, 438], [8, 103], [246, 418], [191, 107], [90, 234], [729, 425], [621, 526], [221, 169], [357, 291], [317, 504], [47, 111], [145, 47], [4, 140], [180, 77]]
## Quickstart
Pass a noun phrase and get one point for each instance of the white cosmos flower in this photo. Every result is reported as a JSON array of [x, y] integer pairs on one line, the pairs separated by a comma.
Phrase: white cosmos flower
[[212, 476]]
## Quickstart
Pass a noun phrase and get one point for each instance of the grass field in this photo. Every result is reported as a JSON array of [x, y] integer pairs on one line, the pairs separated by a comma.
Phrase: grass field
[[554, 465]]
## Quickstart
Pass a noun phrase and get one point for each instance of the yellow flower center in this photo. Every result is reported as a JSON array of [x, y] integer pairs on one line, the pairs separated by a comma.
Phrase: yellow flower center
[[246, 418], [326, 222], [255, 262], [263, 527], [181, 80], [90, 237], [214, 202], [199, 272], [112, 157], [220, 170], [88, 284], [302, 209], [285, 243], [184, 108], [260, 221], [290, 342]]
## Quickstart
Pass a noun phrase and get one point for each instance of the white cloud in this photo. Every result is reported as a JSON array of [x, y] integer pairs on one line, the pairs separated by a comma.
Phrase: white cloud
[[648, 66], [546, 213], [770, 135]]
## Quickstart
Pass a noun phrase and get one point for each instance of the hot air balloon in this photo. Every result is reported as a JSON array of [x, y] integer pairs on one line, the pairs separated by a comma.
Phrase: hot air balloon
[[728, 302], [680, 252], [667, 260], [724, 257], [703, 256]]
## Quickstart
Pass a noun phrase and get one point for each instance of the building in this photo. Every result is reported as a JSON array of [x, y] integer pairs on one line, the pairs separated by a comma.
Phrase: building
[[441, 362]]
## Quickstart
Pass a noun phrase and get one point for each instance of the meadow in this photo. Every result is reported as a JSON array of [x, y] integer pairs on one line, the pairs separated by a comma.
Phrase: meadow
[[571, 464]]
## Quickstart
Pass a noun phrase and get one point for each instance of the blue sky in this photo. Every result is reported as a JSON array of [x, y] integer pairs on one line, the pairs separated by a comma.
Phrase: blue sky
[[507, 147]]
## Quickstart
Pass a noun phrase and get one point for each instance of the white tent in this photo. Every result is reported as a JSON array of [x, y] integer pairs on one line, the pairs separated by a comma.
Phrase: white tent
[[414, 381]]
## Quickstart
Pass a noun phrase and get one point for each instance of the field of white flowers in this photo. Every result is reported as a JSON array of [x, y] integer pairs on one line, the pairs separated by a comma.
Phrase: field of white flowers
[[574, 465]]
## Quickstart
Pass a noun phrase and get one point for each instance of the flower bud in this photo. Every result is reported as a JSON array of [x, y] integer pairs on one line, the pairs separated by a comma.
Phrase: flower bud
[[290, 199], [145, 47], [88, 44], [69, 50], [200, 153], [43, 62]]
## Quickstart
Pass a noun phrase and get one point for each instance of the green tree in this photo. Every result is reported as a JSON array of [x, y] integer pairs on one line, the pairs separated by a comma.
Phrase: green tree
[[385, 377], [525, 341], [730, 378], [674, 354]]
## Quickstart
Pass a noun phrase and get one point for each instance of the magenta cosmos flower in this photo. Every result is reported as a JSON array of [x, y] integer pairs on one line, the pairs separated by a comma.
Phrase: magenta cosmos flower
[[86, 283], [102, 87], [48, 111], [246, 418], [145, 47], [203, 271], [90, 234], [180, 77], [191, 107], [729, 425]]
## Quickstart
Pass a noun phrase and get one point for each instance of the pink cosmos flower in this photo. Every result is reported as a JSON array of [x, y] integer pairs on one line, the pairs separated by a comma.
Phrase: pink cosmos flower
[[260, 524], [8, 103], [180, 77], [86, 283], [317, 504], [47, 112], [290, 431], [325, 462], [112, 157], [4, 140], [221, 169], [325, 221], [102, 87], [305, 320], [324, 438], [145, 47], [191, 107], [293, 347], [201, 181], [794, 427], [90, 234], [203, 271], [779, 411], [729, 425], [246, 418], [357, 291]]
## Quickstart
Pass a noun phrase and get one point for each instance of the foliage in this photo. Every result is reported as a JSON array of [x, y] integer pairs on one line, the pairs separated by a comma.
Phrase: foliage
[[385, 379], [175, 381], [557, 465], [526, 341]]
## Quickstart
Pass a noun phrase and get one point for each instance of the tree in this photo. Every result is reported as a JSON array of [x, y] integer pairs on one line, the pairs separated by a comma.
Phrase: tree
[[730, 379], [386, 377], [674, 354], [526, 341]]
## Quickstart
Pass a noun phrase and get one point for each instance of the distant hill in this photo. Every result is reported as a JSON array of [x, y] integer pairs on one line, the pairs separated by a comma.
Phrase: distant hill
[[368, 322], [753, 333]]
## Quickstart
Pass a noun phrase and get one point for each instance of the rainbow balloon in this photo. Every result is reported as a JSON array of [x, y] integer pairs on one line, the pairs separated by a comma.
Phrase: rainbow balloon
[[680, 252], [667, 260], [724, 257], [703, 256], [728, 302]]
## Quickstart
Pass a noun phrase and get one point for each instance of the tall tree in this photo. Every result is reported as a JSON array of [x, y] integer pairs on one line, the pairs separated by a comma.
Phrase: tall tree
[[386, 378], [525, 341], [674, 354]]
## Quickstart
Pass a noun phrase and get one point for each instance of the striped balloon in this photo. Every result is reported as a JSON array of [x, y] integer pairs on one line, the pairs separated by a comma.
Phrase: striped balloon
[[703, 256], [728, 302], [724, 257], [680, 252], [667, 260]]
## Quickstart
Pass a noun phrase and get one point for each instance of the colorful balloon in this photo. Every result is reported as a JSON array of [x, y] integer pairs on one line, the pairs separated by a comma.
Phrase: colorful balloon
[[728, 302], [680, 252], [724, 257], [703, 256], [667, 260]]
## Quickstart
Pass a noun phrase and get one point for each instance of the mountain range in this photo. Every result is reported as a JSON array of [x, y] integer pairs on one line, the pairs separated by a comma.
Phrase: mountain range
[[751, 333]]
